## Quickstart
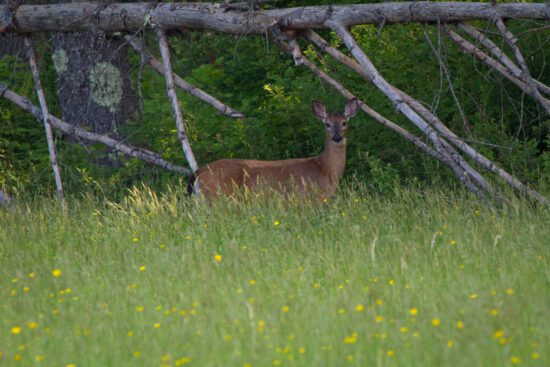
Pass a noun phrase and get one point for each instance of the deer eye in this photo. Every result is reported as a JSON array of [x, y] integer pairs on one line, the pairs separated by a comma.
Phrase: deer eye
[[327, 124], [344, 124]]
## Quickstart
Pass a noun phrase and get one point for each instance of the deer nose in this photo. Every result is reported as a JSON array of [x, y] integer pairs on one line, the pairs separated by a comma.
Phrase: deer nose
[[337, 138]]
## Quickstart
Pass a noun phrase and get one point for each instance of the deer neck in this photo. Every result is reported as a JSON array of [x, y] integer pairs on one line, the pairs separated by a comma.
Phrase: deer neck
[[333, 160]]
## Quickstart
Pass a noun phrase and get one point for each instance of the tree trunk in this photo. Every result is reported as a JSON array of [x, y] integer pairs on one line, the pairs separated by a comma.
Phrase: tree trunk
[[93, 80]]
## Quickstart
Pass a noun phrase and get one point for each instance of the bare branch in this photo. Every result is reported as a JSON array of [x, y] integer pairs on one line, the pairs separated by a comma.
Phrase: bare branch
[[116, 17], [45, 116], [488, 60], [139, 153], [525, 75], [499, 54], [171, 91], [184, 85]]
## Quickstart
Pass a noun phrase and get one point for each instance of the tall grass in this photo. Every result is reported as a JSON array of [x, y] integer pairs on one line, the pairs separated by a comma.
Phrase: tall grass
[[416, 279]]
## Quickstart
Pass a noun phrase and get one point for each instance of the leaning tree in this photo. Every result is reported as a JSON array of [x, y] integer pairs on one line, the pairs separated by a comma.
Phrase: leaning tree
[[290, 29]]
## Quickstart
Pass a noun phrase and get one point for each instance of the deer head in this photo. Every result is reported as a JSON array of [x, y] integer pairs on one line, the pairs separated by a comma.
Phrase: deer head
[[336, 124]]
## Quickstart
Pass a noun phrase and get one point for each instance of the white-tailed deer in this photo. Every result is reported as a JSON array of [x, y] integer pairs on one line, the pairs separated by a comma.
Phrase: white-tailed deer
[[318, 174]]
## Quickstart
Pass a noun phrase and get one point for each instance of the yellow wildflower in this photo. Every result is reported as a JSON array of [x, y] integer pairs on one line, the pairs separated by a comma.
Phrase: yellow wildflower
[[379, 319], [218, 258], [302, 350], [460, 325], [56, 273], [142, 268], [32, 325], [359, 308], [473, 296], [390, 353], [515, 360], [285, 309], [352, 339], [436, 322], [15, 330], [413, 311]]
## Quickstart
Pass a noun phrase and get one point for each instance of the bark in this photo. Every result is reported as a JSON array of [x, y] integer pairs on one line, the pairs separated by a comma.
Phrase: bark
[[223, 18], [171, 91], [94, 86], [182, 84], [139, 153], [45, 116]]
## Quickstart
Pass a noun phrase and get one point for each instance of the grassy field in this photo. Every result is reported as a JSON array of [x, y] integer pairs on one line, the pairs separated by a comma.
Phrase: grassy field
[[415, 279]]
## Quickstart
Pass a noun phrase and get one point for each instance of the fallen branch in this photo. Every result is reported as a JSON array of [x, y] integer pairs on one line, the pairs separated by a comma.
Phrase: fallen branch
[[116, 17], [171, 91], [139, 153], [184, 85], [499, 54], [489, 61], [525, 75], [45, 117]]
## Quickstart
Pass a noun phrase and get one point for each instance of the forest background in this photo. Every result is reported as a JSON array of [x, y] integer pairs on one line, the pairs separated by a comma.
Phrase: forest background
[[254, 77]]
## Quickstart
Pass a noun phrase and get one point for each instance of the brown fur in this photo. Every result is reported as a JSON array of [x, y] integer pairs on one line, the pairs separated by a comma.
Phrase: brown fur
[[318, 174]]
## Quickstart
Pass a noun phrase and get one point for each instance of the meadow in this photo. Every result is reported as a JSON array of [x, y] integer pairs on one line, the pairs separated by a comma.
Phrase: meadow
[[408, 279]]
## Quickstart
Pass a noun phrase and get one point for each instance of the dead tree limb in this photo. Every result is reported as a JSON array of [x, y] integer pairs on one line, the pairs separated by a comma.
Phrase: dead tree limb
[[462, 169], [525, 75], [184, 85], [116, 17], [45, 117], [499, 54], [139, 153], [430, 118], [468, 47], [171, 91]]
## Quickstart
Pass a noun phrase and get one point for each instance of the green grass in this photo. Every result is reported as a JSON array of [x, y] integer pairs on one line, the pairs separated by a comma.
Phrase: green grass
[[333, 284]]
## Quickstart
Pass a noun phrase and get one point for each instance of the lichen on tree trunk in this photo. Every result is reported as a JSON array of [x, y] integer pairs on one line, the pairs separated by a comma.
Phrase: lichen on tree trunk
[[93, 82]]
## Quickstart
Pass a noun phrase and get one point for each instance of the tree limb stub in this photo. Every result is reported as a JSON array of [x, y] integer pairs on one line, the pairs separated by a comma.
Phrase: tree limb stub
[[84, 16], [140, 153]]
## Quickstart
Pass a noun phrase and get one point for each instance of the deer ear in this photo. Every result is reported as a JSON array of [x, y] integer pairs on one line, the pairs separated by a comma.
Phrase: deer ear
[[319, 109], [351, 108]]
